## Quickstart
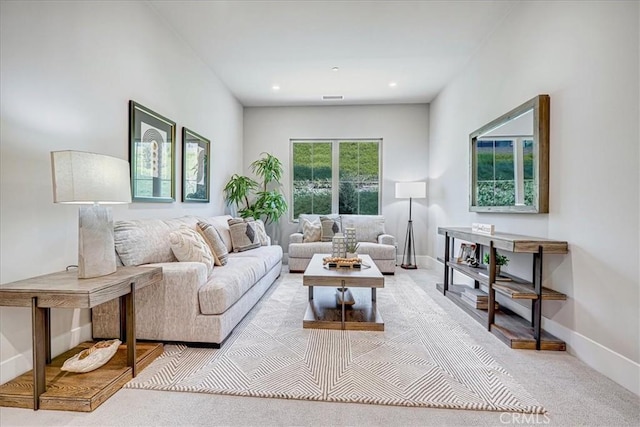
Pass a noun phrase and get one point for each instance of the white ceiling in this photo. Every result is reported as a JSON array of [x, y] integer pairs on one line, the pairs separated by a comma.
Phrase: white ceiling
[[254, 45]]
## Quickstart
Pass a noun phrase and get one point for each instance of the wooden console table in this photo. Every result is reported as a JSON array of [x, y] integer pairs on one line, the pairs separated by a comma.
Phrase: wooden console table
[[65, 290], [506, 325]]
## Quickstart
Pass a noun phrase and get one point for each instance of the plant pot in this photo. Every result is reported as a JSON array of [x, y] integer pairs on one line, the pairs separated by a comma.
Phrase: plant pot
[[497, 270], [352, 254]]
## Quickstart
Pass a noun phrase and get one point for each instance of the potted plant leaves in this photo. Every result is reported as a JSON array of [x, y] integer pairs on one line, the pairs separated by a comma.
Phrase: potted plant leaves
[[500, 261]]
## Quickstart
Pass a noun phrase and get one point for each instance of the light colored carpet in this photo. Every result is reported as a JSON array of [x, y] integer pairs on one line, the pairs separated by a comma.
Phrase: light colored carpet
[[423, 358]]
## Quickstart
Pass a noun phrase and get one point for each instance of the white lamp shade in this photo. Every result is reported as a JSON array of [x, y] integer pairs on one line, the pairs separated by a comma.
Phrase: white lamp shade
[[415, 190], [81, 177]]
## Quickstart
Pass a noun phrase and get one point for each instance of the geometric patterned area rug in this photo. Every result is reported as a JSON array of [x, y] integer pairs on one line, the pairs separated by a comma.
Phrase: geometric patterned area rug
[[423, 357]]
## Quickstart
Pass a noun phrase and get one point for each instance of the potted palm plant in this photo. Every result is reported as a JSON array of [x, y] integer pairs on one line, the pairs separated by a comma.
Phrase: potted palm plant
[[261, 200]]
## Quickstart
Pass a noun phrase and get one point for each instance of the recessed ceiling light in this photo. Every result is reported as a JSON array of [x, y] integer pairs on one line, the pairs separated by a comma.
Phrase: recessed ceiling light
[[275, 87], [335, 69], [393, 84]]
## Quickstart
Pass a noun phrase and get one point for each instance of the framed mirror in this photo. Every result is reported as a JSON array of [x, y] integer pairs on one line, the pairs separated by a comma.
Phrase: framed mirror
[[509, 161]]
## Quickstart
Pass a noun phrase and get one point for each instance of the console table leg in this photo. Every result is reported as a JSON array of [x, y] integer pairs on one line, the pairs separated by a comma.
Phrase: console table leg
[[343, 308], [47, 320], [537, 303], [445, 285], [373, 294], [39, 328], [130, 302], [310, 293]]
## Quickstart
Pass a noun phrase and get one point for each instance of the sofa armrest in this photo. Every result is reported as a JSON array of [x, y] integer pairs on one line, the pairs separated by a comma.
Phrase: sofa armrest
[[295, 238], [387, 239]]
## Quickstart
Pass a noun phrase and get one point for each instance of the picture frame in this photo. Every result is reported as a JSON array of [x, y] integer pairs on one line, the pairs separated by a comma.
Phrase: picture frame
[[467, 250], [151, 155], [196, 167]]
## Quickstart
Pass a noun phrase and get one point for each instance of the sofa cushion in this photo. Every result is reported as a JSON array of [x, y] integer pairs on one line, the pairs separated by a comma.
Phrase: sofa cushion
[[311, 231], [307, 250], [270, 255], [330, 227], [368, 227], [213, 239], [146, 241], [189, 246], [243, 234], [227, 284], [374, 250]]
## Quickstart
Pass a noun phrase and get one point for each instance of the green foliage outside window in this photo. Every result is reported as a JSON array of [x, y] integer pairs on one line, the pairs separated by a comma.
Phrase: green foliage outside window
[[358, 177], [495, 173]]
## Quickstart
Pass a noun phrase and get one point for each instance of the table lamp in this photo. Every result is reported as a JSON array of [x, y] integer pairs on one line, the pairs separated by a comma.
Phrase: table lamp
[[410, 190], [93, 180]]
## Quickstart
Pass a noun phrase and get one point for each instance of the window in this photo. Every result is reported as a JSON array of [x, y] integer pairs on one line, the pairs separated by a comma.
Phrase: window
[[505, 172], [335, 176]]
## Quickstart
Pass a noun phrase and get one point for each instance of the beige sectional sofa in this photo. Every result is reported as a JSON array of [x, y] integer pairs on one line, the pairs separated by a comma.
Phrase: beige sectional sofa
[[189, 305], [370, 234]]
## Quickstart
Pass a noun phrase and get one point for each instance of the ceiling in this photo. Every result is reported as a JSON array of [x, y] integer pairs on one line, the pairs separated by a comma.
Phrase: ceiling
[[254, 45]]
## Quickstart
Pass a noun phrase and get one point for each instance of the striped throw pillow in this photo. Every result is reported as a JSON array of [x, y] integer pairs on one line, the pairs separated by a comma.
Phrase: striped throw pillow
[[214, 240]]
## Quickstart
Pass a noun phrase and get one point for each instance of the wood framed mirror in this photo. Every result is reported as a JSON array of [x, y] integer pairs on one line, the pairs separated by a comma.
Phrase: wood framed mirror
[[509, 161]]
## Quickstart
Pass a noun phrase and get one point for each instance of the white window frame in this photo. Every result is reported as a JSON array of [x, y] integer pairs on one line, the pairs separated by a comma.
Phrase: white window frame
[[335, 168]]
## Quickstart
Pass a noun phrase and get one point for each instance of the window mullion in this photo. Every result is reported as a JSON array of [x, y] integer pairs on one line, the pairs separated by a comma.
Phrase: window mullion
[[335, 175]]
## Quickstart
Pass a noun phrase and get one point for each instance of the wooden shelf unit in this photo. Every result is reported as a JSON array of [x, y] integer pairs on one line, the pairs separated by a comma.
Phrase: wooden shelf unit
[[505, 324]]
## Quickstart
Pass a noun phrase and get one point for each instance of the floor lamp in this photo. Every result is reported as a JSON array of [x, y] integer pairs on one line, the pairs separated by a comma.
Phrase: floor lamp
[[410, 190]]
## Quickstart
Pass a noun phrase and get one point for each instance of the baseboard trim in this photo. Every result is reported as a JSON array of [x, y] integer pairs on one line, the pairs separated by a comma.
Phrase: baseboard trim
[[22, 362], [609, 363]]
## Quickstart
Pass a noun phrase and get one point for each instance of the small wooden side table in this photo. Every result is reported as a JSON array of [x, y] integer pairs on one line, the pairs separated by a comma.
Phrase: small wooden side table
[[65, 290]]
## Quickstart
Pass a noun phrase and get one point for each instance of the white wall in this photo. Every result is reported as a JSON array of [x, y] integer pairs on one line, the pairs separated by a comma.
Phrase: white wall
[[585, 55], [404, 132], [68, 70]]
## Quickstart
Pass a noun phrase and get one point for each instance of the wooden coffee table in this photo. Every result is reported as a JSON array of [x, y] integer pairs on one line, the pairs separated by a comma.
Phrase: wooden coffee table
[[323, 310]]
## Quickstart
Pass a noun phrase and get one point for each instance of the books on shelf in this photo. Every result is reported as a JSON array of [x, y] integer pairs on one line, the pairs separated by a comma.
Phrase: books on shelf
[[498, 278], [477, 299]]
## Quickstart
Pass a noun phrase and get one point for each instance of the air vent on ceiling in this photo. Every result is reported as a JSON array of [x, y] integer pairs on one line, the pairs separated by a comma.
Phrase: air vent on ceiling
[[332, 97]]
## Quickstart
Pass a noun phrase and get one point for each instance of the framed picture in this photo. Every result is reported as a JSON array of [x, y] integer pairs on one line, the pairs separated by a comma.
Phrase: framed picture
[[195, 167], [151, 155], [467, 250]]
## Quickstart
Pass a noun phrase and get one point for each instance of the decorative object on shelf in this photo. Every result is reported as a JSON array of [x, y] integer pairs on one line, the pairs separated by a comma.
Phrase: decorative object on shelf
[[410, 190], [195, 167], [472, 262], [479, 228], [338, 246], [152, 149], [92, 358], [467, 250], [94, 180], [500, 261]]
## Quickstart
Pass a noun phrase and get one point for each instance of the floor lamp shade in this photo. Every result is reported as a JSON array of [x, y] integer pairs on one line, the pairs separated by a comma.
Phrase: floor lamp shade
[[410, 190], [94, 180]]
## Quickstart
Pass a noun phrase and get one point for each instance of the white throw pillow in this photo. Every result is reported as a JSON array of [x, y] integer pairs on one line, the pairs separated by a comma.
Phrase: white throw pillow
[[188, 246], [311, 231]]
